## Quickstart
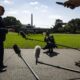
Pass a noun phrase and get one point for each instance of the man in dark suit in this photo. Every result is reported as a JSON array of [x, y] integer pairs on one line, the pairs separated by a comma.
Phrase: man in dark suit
[[3, 32]]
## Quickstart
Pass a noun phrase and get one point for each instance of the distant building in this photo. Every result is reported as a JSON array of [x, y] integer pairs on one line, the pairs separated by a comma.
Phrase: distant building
[[30, 28]]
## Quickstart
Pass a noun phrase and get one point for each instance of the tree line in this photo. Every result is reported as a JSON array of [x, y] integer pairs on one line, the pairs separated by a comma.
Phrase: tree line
[[72, 26]]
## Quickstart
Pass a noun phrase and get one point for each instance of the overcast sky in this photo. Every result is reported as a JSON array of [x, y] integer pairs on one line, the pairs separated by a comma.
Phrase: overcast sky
[[45, 12]]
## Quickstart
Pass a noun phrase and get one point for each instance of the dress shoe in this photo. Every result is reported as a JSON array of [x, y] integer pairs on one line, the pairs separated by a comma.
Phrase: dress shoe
[[3, 66], [2, 70]]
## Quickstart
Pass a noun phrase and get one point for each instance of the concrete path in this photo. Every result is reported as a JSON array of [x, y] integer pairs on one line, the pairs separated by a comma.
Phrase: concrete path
[[17, 70]]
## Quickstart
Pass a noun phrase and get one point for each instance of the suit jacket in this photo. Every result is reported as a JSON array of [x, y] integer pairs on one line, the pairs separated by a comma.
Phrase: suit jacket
[[3, 30]]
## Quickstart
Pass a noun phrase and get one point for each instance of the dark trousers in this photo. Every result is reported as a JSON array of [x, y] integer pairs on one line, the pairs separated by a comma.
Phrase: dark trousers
[[49, 47], [1, 52]]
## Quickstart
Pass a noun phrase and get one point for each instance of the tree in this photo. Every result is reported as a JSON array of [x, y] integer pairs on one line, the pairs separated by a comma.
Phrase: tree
[[75, 25], [58, 21], [11, 21], [67, 28], [58, 25]]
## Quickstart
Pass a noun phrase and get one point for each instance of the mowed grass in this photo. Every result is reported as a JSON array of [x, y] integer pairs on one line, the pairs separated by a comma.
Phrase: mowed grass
[[14, 38], [71, 40]]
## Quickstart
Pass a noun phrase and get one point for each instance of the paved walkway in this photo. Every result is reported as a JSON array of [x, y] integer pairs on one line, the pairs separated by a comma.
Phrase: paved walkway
[[17, 70]]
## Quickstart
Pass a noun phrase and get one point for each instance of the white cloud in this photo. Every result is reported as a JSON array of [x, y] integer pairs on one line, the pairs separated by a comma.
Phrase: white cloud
[[7, 1], [26, 11], [36, 8], [12, 12], [44, 11], [41, 8], [44, 6], [55, 17], [34, 3]]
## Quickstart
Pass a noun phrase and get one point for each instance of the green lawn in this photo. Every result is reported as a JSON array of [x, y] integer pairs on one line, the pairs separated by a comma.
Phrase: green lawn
[[72, 40]]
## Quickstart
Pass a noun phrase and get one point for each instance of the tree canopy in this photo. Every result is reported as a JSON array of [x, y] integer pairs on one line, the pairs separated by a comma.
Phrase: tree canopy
[[10, 21], [73, 26]]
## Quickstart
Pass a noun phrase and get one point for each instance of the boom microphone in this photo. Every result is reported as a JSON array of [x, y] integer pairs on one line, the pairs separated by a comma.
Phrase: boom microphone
[[17, 50], [37, 53], [60, 3], [23, 34]]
